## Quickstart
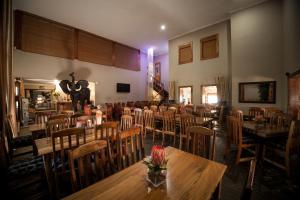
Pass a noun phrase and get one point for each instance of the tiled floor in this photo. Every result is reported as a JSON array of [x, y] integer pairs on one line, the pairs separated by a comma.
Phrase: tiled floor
[[27, 180]]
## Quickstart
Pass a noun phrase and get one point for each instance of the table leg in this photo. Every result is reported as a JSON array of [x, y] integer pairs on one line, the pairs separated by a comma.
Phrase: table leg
[[49, 175], [217, 193]]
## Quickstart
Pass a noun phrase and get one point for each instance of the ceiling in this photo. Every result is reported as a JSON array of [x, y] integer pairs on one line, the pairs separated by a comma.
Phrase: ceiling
[[136, 22]]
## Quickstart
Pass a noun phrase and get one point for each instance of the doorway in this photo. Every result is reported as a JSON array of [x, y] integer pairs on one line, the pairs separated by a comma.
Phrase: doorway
[[185, 94]]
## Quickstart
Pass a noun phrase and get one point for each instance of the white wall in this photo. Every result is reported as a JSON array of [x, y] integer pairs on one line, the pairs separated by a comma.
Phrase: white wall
[[36, 66], [257, 49], [199, 72], [164, 65]]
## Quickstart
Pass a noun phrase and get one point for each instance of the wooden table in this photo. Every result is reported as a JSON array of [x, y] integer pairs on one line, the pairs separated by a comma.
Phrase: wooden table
[[37, 127], [265, 131], [188, 177]]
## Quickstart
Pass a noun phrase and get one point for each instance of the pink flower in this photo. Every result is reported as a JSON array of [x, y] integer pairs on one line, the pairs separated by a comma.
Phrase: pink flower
[[158, 155]]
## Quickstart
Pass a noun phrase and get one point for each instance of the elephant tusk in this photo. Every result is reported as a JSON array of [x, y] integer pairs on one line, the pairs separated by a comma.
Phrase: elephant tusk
[[79, 88], [68, 87]]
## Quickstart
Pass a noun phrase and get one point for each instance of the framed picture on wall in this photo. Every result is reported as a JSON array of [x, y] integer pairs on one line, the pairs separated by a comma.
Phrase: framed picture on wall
[[257, 92], [157, 71]]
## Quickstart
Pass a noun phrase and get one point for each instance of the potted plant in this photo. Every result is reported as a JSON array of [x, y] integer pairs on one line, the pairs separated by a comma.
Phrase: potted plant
[[157, 165]]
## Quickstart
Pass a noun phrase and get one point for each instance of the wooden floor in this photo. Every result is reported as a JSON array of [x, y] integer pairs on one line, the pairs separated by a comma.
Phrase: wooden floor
[[27, 178]]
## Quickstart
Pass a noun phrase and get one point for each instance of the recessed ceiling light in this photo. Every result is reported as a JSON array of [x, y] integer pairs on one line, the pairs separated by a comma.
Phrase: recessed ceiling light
[[163, 27]]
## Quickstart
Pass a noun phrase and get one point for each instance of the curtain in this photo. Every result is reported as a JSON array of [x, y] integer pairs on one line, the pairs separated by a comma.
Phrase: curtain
[[222, 88], [171, 90]]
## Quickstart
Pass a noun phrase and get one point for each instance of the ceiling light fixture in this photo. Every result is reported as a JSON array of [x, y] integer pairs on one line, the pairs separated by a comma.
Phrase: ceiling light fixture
[[163, 27]]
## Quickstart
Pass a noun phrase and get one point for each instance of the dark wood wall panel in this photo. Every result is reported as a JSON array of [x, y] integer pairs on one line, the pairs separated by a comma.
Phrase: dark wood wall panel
[[94, 49], [127, 57], [42, 36]]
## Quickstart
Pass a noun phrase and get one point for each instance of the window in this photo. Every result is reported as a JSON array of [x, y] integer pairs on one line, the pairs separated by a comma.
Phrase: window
[[185, 53], [209, 94], [185, 94], [209, 47]]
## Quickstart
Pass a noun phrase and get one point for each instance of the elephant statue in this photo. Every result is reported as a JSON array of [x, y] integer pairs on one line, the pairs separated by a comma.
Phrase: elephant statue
[[78, 91]]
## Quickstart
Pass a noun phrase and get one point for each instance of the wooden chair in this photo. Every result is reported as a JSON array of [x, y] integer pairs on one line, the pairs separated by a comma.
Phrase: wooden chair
[[126, 122], [169, 126], [200, 111], [130, 147], [86, 121], [42, 117], [186, 120], [127, 111], [162, 108], [109, 111], [237, 114], [56, 125], [248, 187], [202, 141], [138, 118], [106, 130], [173, 109], [148, 121], [62, 141], [94, 163], [237, 138], [255, 111], [189, 109], [287, 147], [145, 108], [153, 108], [73, 119], [60, 116]]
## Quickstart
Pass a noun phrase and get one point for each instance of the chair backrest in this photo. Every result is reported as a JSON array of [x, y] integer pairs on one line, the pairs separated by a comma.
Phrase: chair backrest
[[293, 142], [146, 108], [248, 187], [237, 114], [61, 116], [127, 111], [162, 108], [93, 160], [153, 108], [63, 140], [148, 119], [106, 130], [86, 121], [200, 110], [56, 125], [235, 131], [189, 109], [73, 119], [169, 123], [255, 111], [202, 141], [186, 120], [42, 117], [109, 111], [126, 122], [138, 117], [173, 109], [130, 147]]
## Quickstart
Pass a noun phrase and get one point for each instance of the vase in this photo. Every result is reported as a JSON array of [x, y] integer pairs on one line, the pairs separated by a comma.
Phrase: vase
[[156, 178]]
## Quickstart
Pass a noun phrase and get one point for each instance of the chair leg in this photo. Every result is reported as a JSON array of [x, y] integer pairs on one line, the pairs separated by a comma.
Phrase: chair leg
[[163, 139], [238, 156], [153, 136], [174, 140]]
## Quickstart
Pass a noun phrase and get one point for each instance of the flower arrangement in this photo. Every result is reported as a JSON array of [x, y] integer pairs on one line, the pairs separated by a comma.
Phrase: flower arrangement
[[157, 165]]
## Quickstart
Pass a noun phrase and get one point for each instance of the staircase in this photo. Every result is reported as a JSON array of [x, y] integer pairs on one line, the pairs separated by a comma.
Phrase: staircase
[[158, 87]]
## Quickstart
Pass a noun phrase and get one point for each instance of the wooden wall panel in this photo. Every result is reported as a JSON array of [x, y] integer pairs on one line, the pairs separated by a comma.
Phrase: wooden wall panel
[[209, 47], [94, 49], [185, 53], [127, 57], [43, 36]]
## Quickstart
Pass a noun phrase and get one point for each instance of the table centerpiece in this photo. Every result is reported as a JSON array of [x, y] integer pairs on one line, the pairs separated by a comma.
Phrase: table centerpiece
[[157, 166]]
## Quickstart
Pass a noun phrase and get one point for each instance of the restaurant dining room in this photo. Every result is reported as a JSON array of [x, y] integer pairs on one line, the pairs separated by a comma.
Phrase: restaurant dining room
[[152, 99]]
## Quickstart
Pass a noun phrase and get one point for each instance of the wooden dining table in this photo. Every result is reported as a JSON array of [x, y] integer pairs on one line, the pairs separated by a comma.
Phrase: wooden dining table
[[265, 131], [188, 177]]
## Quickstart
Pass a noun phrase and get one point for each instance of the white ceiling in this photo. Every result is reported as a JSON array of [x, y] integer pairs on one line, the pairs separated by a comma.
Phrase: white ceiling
[[136, 22]]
